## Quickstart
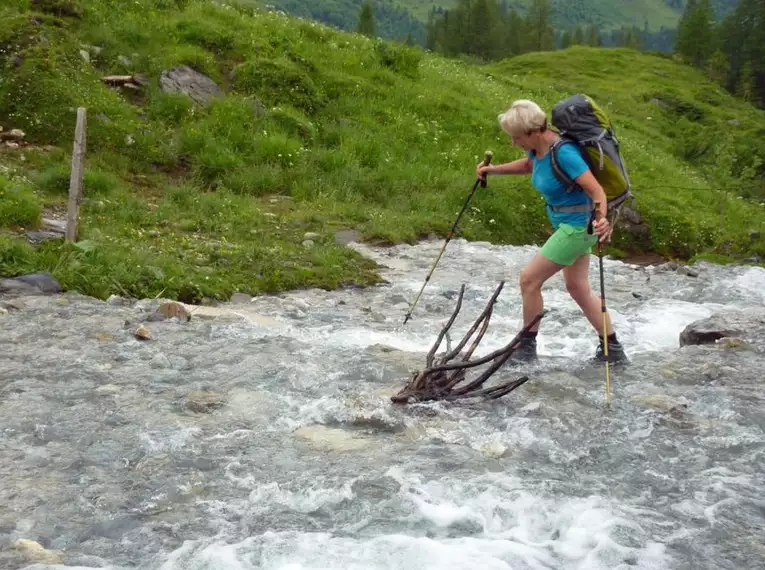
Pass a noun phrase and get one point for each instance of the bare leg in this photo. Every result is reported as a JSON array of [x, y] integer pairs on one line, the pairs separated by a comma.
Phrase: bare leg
[[533, 276], [578, 286]]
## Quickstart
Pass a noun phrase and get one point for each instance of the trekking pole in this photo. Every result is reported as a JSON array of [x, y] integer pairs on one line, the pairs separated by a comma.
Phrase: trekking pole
[[482, 181], [603, 311]]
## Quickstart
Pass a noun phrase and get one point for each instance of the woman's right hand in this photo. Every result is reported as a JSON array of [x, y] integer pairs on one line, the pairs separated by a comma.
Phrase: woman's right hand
[[482, 170]]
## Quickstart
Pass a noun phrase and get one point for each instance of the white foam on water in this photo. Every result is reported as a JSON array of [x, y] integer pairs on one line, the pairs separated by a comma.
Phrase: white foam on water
[[67, 567], [159, 441], [512, 529], [749, 284], [657, 324], [580, 549], [307, 500]]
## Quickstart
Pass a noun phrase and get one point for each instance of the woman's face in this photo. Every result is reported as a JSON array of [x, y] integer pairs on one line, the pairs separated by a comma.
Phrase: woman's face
[[524, 140]]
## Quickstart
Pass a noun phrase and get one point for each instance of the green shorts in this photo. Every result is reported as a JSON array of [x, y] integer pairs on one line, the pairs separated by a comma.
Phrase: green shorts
[[568, 244]]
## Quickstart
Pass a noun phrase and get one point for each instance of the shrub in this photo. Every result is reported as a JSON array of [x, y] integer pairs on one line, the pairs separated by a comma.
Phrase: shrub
[[399, 58], [278, 82], [18, 204]]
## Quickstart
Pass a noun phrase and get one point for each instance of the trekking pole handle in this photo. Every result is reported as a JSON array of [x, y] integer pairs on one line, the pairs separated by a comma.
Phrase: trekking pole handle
[[486, 160]]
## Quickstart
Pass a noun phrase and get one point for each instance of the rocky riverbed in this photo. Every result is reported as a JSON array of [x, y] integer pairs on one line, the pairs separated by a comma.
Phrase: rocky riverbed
[[260, 433]]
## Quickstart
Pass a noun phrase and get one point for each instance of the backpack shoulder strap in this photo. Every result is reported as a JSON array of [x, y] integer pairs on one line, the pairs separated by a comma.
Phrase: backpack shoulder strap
[[557, 169]]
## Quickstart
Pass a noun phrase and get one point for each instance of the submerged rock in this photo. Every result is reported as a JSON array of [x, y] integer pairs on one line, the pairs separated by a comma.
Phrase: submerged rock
[[662, 402], [174, 310], [34, 552], [331, 439], [204, 402]]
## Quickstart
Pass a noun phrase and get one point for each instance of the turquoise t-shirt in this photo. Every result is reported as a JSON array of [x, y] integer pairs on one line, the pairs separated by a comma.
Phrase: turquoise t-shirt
[[544, 180]]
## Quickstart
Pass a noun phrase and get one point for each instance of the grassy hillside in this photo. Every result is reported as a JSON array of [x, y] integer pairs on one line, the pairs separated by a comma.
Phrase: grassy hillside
[[321, 130]]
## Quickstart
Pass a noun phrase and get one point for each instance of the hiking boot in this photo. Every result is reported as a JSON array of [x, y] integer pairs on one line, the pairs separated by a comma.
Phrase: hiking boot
[[525, 350], [616, 353]]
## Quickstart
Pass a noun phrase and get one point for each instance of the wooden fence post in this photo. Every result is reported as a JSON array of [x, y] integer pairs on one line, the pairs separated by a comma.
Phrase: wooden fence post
[[75, 181]]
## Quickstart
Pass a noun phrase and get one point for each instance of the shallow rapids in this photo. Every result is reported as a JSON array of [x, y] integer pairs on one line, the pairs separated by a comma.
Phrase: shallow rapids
[[295, 458]]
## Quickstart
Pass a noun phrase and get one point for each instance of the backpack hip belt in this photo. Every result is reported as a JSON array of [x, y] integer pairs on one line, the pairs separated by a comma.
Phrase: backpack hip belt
[[578, 208]]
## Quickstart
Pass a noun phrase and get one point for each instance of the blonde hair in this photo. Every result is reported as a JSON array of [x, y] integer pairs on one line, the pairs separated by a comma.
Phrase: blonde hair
[[522, 117]]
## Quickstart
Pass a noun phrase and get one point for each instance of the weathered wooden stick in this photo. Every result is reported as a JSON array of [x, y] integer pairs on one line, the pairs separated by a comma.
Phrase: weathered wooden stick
[[133, 81], [493, 355], [503, 354], [444, 330], [486, 313], [75, 181]]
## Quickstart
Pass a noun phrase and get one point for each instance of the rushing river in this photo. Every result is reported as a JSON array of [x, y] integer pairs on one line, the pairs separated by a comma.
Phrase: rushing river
[[302, 462]]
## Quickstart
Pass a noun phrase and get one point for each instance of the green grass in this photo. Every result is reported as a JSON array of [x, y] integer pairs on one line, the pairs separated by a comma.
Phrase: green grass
[[321, 130]]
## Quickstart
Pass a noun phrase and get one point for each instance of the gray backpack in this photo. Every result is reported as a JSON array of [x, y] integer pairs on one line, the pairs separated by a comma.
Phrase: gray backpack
[[580, 121]]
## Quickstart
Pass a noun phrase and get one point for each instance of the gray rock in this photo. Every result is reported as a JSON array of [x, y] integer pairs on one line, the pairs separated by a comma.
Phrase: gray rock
[[344, 237], [37, 237], [684, 270], [117, 301], [746, 325], [34, 284], [241, 299], [200, 88], [632, 223]]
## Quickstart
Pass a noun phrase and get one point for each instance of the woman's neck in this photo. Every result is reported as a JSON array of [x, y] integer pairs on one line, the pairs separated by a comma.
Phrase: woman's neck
[[546, 139]]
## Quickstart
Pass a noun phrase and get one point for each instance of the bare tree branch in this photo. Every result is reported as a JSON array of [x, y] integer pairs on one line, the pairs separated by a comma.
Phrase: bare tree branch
[[443, 379]]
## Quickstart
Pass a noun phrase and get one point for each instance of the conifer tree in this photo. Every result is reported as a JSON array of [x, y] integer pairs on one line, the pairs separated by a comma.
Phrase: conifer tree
[[578, 38], [593, 36], [482, 22], [566, 40], [696, 34], [540, 34], [718, 68], [367, 25]]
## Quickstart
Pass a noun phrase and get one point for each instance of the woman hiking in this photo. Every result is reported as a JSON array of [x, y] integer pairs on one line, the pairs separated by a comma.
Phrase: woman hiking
[[570, 246]]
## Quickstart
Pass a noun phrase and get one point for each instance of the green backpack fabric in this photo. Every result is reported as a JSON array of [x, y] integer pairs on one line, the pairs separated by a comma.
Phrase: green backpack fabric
[[580, 121]]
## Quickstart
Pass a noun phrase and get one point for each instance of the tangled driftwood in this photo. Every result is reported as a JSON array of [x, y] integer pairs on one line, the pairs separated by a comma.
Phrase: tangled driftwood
[[446, 380]]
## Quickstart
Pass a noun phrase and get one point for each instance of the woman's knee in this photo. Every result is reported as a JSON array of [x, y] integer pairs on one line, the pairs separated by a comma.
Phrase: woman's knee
[[578, 288], [529, 282]]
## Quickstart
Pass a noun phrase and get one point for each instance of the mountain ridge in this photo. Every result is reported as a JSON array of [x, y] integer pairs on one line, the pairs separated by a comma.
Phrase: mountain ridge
[[398, 19]]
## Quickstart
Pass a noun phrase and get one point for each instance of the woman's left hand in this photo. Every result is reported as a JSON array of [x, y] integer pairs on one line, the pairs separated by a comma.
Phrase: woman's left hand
[[602, 229]]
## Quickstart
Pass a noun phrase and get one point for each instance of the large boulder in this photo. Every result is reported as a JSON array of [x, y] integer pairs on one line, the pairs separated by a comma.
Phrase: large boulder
[[632, 224], [748, 326], [197, 86]]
